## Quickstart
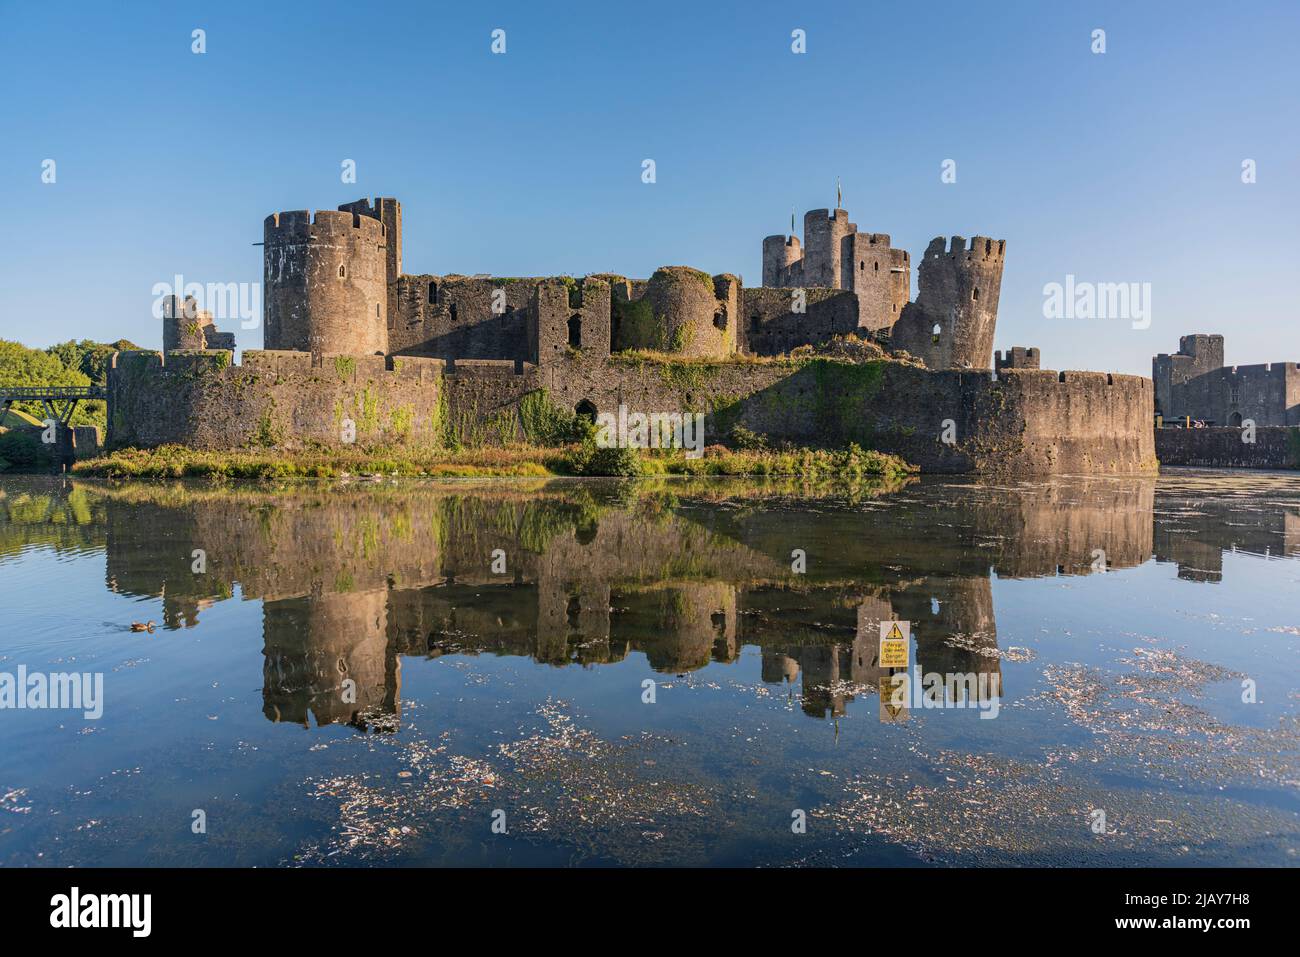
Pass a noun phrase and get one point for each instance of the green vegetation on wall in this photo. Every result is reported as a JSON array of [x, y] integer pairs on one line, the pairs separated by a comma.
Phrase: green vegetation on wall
[[635, 326], [543, 422], [843, 391]]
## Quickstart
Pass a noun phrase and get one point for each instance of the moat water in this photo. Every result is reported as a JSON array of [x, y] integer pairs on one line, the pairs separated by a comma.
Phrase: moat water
[[669, 673]]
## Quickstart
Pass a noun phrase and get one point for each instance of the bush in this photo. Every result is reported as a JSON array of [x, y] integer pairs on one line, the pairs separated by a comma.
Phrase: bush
[[22, 449], [748, 441], [622, 462]]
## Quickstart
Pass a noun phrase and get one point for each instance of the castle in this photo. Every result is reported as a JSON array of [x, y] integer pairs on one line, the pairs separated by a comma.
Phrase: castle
[[419, 359], [1193, 383], [334, 285]]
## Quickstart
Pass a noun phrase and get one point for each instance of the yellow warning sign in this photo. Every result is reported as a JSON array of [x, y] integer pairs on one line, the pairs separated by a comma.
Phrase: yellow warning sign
[[895, 644], [893, 697]]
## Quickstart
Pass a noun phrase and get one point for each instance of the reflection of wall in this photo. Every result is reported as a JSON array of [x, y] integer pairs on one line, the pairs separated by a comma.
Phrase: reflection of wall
[[953, 630], [354, 578], [1196, 538], [314, 645], [683, 626]]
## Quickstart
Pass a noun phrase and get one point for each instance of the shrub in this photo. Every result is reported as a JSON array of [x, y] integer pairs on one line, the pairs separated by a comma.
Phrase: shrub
[[748, 441], [22, 449], [593, 460]]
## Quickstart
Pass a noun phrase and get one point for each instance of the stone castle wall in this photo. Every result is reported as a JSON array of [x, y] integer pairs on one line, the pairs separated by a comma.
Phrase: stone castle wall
[[1022, 421], [1194, 383], [1274, 447], [282, 399]]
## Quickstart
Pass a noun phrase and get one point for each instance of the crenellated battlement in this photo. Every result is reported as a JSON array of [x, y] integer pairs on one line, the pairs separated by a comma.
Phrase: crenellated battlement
[[979, 247], [303, 226]]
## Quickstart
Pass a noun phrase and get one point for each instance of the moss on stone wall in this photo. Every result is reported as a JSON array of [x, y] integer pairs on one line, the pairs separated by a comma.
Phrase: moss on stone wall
[[401, 420], [366, 404], [842, 394], [345, 366], [542, 421], [634, 325]]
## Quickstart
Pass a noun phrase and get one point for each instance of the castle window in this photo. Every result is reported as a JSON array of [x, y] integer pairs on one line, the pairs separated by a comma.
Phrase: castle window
[[720, 320], [875, 267], [975, 294], [343, 271], [586, 409], [575, 332], [433, 293], [936, 332], [1235, 419], [1235, 394], [754, 322], [453, 312], [376, 310]]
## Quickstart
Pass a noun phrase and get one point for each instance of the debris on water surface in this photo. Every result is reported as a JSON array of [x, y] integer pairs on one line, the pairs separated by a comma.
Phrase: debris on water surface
[[560, 782]]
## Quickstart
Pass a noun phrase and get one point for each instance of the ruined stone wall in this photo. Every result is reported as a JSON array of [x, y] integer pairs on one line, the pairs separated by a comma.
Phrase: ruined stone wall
[[482, 399], [1274, 448], [572, 315], [770, 328], [1028, 422], [186, 326], [1021, 421], [952, 321], [450, 317], [325, 283], [280, 399], [881, 277]]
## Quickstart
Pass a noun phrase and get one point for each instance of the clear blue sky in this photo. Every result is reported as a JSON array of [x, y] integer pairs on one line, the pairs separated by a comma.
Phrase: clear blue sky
[[1121, 167]]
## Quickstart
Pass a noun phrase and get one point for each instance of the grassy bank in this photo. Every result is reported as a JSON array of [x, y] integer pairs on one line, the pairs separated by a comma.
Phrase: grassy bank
[[174, 461]]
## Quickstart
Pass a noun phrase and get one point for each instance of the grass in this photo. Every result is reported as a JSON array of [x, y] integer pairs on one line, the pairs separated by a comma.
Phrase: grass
[[175, 461]]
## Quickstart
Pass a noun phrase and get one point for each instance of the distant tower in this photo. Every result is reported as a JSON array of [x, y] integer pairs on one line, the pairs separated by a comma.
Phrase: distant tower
[[824, 233], [779, 253], [325, 281]]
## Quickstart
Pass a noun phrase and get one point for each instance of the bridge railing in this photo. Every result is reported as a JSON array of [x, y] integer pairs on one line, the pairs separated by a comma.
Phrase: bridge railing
[[53, 392]]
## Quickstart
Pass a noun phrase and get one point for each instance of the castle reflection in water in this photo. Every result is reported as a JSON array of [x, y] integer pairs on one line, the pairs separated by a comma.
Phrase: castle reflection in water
[[354, 579]]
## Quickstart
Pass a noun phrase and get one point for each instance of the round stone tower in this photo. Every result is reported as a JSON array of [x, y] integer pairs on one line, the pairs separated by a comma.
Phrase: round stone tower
[[689, 317], [325, 282], [779, 253]]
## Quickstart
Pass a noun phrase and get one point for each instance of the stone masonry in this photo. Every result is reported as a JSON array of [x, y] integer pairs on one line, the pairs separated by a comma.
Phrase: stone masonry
[[422, 359]]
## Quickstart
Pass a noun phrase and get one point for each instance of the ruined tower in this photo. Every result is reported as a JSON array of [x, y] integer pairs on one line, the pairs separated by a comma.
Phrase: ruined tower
[[326, 281], [951, 323]]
